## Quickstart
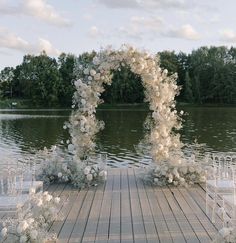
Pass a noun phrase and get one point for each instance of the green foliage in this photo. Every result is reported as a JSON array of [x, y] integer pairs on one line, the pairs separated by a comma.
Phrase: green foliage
[[207, 75]]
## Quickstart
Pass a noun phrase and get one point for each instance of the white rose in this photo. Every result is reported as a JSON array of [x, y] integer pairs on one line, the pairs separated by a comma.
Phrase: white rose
[[92, 72], [59, 174], [83, 101], [39, 203], [156, 180], [89, 177], [70, 147], [86, 71], [191, 169], [45, 193], [97, 76], [87, 170], [23, 239], [30, 221], [4, 232], [170, 180], [57, 200], [33, 234], [32, 190], [48, 198], [175, 183]]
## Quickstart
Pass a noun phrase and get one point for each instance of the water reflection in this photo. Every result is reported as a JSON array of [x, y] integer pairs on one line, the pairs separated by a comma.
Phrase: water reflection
[[24, 131]]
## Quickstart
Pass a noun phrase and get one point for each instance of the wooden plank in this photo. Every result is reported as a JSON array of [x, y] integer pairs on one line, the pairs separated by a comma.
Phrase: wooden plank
[[200, 214], [64, 207], [127, 234], [185, 227], [174, 229], [199, 198], [137, 217], [150, 229], [159, 220], [115, 229], [91, 227], [70, 220], [82, 218], [197, 227], [102, 234]]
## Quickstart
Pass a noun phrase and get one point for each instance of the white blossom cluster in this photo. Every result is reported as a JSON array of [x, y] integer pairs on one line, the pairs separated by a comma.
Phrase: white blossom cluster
[[183, 175], [160, 92], [57, 166], [31, 226]]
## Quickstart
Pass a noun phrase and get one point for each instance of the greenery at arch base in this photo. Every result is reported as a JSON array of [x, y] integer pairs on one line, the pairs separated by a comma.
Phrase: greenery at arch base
[[170, 164]]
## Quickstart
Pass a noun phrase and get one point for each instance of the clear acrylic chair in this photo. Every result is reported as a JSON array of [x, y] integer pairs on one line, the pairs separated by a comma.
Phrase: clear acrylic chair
[[11, 198], [220, 182], [229, 206], [29, 182]]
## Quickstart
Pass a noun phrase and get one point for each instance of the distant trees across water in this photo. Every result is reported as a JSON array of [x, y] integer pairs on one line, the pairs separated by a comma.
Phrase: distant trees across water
[[206, 75]]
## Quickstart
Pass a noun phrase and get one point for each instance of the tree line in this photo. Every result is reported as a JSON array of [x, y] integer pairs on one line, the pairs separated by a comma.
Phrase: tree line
[[206, 75]]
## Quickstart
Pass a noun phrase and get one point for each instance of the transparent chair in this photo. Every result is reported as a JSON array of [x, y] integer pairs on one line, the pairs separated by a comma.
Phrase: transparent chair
[[11, 198], [220, 182], [28, 169]]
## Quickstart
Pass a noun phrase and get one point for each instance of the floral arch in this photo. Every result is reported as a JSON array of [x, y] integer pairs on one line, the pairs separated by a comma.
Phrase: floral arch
[[160, 91]]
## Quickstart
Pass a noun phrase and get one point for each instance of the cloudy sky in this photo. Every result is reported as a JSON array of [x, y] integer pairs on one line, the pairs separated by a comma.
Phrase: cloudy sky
[[74, 26]]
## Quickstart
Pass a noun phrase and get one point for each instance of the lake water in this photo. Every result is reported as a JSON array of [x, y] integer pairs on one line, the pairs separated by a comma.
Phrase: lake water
[[22, 132]]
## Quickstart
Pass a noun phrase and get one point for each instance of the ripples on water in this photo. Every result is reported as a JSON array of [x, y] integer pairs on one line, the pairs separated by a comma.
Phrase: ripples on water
[[22, 132]]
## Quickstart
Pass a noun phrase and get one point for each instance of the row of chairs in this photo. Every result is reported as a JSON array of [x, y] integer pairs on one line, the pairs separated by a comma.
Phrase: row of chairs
[[16, 182], [221, 190]]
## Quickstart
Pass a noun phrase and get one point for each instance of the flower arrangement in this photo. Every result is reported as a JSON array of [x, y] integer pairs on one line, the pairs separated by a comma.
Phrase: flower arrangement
[[31, 226], [178, 176], [57, 166], [226, 235]]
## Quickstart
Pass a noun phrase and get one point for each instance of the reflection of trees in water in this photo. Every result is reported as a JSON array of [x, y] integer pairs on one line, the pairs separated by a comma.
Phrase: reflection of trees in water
[[214, 126], [33, 133], [123, 129]]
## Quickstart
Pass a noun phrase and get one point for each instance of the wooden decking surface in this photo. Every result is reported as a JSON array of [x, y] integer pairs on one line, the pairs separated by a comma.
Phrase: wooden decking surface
[[125, 210]]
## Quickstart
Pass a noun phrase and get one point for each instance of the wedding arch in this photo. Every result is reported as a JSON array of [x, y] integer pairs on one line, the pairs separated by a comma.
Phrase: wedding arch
[[160, 91]]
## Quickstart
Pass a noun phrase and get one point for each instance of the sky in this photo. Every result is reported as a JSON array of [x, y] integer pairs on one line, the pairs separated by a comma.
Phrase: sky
[[75, 26]]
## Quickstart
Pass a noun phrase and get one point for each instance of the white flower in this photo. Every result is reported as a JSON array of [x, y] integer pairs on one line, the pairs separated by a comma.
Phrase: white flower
[[175, 183], [224, 232], [32, 190], [23, 239], [89, 177], [191, 169], [97, 76], [181, 112], [30, 221], [23, 225], [156, 180], [92, 72], [57, 200], [86, 71], [4, 232], [87, 170], [70, 147], [48, 198], [170, 180], [39, 203], [34, 234], [59, 175]]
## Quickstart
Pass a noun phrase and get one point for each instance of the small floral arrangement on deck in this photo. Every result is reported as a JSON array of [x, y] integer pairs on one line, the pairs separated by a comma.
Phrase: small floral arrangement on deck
[[226, 235], [178, 176], [31, 226], [58, 167]]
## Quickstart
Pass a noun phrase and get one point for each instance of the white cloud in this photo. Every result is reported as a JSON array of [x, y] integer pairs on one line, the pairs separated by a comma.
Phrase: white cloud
[[141, 26], [184, 32], [39, 9], [11, 41], [158, 4], [94, 32], [228, 35]]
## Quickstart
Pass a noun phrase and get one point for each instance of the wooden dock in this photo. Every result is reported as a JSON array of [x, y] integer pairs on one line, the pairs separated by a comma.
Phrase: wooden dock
[[125, 210]]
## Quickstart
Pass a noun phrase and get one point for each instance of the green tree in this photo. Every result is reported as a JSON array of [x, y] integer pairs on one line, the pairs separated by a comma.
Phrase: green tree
[[6, 82], [188, 93]]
